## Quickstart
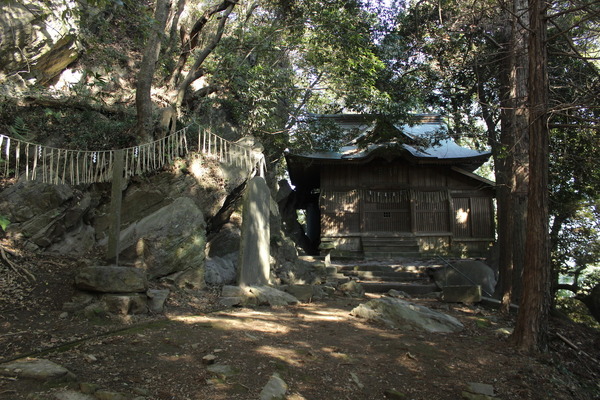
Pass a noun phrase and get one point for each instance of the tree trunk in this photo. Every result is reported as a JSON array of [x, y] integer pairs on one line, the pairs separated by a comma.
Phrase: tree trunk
[[512, 154], [531, 329], [143, 98], [503, 163], [520, 142]]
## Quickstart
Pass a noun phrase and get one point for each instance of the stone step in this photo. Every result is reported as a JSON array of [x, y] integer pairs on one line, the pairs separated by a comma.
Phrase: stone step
[[383, 245], [394, 239], [412, 289], [386, 276], [371, 254], [382, 268]]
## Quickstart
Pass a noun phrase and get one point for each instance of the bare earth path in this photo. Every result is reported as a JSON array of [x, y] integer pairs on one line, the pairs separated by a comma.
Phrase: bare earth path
[[318, 349]]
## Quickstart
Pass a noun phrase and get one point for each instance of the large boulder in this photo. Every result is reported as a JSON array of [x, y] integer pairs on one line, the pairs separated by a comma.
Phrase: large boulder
[[465, 273], [221, 270], [224, 242], [400, 314], [167, 241]]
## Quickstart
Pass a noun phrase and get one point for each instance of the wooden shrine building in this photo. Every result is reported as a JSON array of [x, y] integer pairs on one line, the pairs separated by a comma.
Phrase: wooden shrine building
[[414, 197]]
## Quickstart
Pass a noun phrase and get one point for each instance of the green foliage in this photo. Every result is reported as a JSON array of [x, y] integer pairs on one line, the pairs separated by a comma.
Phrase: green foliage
[[97, 132], [4, 222], [319, 135], [19, 129], [576, 311]]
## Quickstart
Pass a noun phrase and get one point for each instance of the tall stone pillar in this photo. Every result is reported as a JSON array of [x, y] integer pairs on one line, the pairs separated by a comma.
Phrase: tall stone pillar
[[254, 256]]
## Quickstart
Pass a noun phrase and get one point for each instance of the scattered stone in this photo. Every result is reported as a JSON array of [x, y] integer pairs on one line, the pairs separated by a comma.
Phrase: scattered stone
[[355, 379], [401, 314], [461, 294], [352, 289], [304, 293], [231, 301], [209, 359], [63, 315], [88, 388], [232, 291], [141, 391], [106, 395], [73, 395], [476, 396], [275, 389], [266, 295], [90, 358], [192, 278], [157, 299], [221, 370], [481, 388], [394, 394], [308, 293], [79, 302], [398, 294], [112, 279], [124, 304], [95, 310], [256, 295], [503, 332], [37, 369]]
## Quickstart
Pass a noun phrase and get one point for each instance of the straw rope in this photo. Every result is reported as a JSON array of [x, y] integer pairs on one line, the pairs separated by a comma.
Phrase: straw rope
[[24, 160]]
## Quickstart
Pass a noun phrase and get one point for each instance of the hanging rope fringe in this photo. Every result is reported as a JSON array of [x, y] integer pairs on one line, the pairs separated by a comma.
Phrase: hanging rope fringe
[[20, 159]]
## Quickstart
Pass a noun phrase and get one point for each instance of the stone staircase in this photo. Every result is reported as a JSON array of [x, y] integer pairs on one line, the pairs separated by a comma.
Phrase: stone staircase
[[390, 247], [381, 276]]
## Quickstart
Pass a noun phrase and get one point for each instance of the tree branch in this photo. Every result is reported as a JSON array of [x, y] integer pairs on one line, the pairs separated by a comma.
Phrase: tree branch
[[196, 72]]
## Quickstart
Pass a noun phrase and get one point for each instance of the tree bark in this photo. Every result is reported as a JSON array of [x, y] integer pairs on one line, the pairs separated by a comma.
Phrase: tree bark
[[531, 329], [143, 98]]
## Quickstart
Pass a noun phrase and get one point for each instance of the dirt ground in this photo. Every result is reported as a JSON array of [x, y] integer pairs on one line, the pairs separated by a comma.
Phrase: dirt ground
[[318, 349]]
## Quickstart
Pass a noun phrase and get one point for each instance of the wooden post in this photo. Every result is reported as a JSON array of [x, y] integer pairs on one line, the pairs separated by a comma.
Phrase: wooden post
[[112, 251]]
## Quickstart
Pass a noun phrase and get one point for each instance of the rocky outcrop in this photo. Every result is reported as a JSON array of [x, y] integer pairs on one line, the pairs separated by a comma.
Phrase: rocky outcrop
[[44, 215], [38, 34]]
